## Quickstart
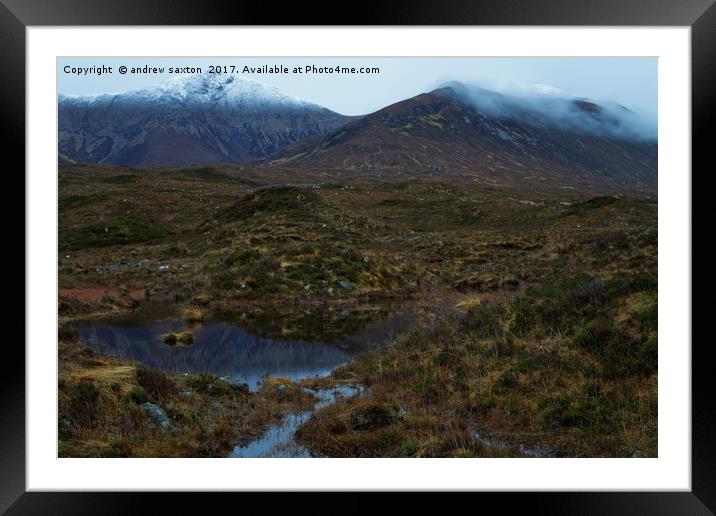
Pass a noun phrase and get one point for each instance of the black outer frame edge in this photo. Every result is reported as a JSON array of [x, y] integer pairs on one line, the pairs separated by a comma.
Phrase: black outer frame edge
[[368, 12], [699, 13], [703, 409], [12, 136], [554, 504]]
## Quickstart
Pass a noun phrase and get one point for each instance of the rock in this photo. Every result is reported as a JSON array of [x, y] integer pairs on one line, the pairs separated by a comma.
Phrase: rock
[[283, 390], [345, 284], [238, 386], [157, 415]]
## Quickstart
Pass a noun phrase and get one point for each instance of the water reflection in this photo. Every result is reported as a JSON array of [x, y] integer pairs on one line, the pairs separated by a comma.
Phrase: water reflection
[[220, 348], [228, 350]]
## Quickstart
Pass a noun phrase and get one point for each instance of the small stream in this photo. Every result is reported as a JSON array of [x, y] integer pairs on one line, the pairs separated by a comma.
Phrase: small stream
[[277, 441], [228, 350]]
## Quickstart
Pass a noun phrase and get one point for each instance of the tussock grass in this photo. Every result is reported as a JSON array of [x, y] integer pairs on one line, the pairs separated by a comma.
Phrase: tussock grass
[[184, 338], [119, 230], [560, 352], [192, 314], [556, 369], [101, 414]]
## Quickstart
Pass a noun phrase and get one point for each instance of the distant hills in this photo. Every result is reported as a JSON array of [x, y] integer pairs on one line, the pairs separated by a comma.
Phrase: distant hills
[[530, 137], [457, 131]]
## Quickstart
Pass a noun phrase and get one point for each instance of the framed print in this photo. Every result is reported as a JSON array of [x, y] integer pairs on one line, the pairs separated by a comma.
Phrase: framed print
[[432, 250]]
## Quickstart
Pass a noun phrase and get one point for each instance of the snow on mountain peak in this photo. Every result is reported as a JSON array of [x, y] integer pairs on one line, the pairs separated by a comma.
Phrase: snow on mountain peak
[[213, 87], [204, 88], [539, 90]]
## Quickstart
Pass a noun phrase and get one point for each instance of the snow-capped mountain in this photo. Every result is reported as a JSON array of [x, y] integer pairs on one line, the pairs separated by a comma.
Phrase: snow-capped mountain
[[195, 119]]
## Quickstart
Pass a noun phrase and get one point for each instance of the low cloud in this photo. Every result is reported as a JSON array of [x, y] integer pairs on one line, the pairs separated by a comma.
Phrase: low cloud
[[542, 105]]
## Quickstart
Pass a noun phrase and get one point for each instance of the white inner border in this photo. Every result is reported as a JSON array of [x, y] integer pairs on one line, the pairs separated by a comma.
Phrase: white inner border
[[672, 470]]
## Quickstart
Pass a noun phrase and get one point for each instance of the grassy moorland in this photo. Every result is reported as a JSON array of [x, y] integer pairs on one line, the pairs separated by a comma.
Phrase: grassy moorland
[[101, 408], [568, 369], [544, 343]]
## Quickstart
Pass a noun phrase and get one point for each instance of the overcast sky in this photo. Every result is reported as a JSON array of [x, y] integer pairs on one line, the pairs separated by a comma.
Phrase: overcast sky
[[631, 82]]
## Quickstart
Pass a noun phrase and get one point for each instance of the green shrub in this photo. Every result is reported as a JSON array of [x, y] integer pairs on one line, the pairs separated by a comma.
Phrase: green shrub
[[157, 384], [371, 417], [121, 179], [118, 230], [137, 395], [486, 405], [596, 336], [68, 333], [556, 307], [583, 413], [484, 320], [506, 382], [299, 202], [84, 402], [607, 239], [624, 283], [583, 207], [648, 314], [650, 237], [208, 384], [618, 352], [552, 407], [207, 174], [649, 354], [409, 448]]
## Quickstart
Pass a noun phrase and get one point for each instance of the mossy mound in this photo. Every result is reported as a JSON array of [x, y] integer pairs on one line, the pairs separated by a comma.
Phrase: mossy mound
[[120, 230], [594, 204], [303, 270], [279, 200]]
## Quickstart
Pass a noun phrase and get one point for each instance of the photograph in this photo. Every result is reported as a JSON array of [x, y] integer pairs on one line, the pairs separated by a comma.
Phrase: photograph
[[357, 257], [424, 248]]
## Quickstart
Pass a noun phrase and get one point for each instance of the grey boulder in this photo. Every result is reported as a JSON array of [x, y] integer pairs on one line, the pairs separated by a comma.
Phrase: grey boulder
[[157, 415]]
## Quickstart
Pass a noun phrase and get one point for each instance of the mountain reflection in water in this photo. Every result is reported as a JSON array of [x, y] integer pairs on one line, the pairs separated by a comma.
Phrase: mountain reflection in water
[[227, 350]]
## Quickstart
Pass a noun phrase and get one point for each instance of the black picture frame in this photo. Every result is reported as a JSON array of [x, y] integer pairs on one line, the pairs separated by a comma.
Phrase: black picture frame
[[16, 15]]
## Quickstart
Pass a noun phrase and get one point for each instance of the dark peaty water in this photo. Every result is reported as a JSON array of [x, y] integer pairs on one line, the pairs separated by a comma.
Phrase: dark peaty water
[[225, 349]]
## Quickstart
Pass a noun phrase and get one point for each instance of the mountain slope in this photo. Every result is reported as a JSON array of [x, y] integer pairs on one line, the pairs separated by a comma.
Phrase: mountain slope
[[188, 120], [473, 133]]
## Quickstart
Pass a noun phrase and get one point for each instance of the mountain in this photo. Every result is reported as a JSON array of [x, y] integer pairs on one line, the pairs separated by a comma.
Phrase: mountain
[[196, 119], [535, 137]]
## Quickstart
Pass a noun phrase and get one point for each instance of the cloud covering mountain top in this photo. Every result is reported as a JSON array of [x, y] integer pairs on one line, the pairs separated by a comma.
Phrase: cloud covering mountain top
[[541, 105]]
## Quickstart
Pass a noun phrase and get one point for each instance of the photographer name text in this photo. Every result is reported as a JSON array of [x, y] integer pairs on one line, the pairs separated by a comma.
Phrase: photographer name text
[[308, 69]]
